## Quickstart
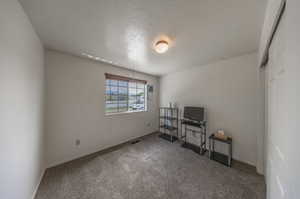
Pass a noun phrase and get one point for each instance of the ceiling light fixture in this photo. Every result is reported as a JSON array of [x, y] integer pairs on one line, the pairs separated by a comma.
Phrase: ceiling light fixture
[[161, 46]]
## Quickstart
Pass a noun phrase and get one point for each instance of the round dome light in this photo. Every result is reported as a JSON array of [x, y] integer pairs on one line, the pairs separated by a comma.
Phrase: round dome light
[[161, 46]]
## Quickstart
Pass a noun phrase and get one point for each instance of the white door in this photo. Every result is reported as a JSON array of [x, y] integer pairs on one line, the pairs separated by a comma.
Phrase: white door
[[275, 140]]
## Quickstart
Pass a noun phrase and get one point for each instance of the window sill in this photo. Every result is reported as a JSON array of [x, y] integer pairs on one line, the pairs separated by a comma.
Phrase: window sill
[[122, 113]]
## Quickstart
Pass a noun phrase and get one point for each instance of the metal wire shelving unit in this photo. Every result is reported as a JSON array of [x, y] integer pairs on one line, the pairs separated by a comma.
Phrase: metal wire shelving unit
[[169, 123]]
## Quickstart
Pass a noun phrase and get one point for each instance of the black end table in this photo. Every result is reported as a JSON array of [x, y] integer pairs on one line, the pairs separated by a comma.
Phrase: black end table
[[219, 157]]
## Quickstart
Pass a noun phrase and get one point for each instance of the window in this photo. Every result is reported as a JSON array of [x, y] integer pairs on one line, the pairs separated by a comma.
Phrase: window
[[124, 94]]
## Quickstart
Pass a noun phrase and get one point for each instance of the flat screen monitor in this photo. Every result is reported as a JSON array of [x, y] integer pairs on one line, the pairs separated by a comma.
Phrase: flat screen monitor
[[194, 113]]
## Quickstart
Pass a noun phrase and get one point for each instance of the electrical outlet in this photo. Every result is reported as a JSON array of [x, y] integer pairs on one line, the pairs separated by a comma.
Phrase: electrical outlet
[[149, 124], [77, 142]]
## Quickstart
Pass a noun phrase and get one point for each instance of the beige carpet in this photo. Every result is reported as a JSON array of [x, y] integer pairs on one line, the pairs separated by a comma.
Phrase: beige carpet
[[150, 169]]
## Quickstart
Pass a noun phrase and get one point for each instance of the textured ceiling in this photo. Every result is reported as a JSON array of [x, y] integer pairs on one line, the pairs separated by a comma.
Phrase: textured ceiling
[[123, 31]]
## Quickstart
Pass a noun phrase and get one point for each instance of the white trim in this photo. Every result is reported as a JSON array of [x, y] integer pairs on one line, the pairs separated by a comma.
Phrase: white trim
[[38, 184], [126, 112], [65, 160]]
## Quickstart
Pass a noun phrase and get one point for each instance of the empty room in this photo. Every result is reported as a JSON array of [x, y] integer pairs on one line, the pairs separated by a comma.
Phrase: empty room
[[149, 99]]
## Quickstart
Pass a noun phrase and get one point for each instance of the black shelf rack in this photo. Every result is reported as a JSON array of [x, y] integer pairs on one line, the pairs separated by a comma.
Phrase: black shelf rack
[[168, 123]]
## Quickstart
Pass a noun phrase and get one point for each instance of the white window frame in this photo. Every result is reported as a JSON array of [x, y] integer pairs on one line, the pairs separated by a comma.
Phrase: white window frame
[[114, 82]]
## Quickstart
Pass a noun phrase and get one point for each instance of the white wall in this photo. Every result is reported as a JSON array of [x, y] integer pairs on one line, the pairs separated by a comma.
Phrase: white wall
[[229, 91], [21, 101], [271, 14], [275, 143], [292, 109], [75, 108], [283, 160]]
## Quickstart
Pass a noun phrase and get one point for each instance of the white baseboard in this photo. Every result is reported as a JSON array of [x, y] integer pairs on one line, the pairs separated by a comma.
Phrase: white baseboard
[[38, 184], [69, 159]]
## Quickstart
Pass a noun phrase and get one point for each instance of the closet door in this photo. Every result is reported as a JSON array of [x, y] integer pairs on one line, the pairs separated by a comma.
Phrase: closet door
[[277, 185]]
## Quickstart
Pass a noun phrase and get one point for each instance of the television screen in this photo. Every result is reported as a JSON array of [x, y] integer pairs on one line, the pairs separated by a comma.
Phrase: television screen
[[194, 113]]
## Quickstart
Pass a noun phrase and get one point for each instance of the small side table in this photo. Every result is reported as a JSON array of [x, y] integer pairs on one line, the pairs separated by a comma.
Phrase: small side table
[[219, 157]]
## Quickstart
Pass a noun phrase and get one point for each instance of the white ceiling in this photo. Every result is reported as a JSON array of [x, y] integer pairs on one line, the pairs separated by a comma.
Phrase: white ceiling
[[123, 31]]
